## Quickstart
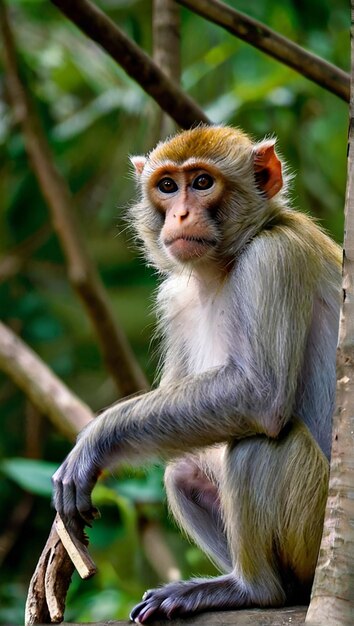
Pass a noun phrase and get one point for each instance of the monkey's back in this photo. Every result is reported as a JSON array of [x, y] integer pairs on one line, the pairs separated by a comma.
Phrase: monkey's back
[[317, 384]]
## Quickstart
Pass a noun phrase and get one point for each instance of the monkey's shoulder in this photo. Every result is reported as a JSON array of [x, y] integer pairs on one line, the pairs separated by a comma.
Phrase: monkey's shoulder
[[294, 241]]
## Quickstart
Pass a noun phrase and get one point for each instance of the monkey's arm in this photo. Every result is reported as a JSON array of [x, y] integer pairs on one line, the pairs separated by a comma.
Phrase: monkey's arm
[[197, 411], [253, 393]]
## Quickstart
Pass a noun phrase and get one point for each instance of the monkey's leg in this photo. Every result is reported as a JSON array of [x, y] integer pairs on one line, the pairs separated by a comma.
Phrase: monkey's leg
[[192, 485], [274, 500], [272, 495]]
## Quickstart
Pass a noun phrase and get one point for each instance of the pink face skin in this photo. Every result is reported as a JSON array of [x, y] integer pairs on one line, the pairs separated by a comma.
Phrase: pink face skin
[[187, 196]]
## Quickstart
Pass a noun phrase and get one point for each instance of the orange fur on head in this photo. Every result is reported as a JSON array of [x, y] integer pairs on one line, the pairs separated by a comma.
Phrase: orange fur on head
[[202, 142]]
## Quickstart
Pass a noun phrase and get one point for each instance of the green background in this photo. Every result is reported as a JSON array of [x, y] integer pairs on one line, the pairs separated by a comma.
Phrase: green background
[[94, 116]]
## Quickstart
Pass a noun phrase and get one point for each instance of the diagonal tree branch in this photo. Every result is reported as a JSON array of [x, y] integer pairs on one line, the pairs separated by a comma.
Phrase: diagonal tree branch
[[136, 63], [96, 25], [45, 390], [260, 36], [86, 281]]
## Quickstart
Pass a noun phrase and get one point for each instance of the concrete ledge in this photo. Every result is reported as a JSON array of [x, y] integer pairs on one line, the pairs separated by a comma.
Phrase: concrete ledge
[[294, 616]]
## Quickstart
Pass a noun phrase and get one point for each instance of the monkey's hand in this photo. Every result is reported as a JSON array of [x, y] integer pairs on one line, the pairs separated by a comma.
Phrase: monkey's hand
[[73, 483]]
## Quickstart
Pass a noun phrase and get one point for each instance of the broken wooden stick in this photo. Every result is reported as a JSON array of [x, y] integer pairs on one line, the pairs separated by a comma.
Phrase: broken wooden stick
[[50, 582], [76, 549]]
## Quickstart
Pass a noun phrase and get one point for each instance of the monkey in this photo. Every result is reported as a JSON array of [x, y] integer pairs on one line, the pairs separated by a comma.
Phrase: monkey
[[248, 309]]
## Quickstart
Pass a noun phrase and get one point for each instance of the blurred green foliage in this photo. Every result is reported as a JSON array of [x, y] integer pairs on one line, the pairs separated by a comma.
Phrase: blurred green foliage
[[94, 116]]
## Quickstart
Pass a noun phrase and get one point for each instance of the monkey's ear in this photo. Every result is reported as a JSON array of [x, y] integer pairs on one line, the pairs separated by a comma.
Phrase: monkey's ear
[[138, 162], [267, 168]]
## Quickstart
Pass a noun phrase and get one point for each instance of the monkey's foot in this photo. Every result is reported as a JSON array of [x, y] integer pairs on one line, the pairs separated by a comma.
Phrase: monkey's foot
[[193, 596]]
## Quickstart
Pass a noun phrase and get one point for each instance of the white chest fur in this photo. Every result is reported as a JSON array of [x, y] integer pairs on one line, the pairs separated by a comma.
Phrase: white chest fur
[[197, 315]]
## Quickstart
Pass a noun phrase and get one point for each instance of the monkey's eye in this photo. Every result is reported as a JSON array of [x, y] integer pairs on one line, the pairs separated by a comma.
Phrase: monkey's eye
[[203, 181], [167, 185]]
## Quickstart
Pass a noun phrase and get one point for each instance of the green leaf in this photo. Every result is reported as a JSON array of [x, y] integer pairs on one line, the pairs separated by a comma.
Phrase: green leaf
[[146, 489], [33, 476]]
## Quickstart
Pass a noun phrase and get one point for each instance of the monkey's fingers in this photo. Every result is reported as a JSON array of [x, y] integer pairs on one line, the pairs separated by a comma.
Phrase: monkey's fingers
[[72, 493], [87, 511]]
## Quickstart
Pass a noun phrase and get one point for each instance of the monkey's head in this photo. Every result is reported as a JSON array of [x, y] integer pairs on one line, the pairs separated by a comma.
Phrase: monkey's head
[[204, 193]]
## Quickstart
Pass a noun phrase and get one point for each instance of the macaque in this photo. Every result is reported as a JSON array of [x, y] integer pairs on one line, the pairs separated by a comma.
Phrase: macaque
[[248, 308]]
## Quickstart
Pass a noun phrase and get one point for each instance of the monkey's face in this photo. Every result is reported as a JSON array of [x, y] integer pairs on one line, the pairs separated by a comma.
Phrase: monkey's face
[[204, 194], [188, 198]]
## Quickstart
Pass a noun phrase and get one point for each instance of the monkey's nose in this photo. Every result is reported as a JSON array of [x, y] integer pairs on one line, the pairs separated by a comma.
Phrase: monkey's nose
[[181, 215]]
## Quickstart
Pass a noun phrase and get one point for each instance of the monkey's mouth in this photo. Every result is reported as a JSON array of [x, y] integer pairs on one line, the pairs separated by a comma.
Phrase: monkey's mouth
[[188, 247]]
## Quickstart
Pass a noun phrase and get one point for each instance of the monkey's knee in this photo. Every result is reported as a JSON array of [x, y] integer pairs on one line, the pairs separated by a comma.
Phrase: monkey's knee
[[186, 478]]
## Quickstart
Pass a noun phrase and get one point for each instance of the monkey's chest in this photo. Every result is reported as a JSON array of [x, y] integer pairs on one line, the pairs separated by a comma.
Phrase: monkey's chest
[[203, 331]]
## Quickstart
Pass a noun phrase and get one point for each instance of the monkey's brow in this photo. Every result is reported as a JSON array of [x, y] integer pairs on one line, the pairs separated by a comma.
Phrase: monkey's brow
[[189, 167], [195, 167]]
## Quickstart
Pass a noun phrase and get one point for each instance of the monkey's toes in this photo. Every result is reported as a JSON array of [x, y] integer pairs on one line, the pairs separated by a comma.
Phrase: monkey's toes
[[154, 609], [144, 611], [170, 601]]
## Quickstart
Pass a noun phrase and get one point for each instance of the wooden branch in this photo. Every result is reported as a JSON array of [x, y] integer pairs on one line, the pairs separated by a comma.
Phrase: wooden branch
[[166, 38], [269, 41], [51, 579], [45, 390], [249, 617], [116, 350], [136, 63], [36, 611]]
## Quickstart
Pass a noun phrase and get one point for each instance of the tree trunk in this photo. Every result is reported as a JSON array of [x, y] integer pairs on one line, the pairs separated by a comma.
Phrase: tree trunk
[[332, 600], [167, 56]]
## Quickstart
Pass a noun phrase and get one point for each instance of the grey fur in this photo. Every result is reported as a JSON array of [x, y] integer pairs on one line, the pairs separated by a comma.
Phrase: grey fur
[[266, 360]]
